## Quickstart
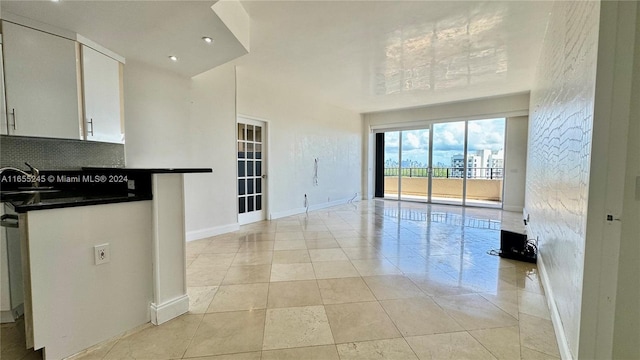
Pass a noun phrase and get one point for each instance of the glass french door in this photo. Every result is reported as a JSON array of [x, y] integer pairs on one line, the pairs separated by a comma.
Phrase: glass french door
[[251, 161]]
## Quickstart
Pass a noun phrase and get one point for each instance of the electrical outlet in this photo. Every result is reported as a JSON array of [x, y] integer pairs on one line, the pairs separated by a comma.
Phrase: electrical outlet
[[102, 254]]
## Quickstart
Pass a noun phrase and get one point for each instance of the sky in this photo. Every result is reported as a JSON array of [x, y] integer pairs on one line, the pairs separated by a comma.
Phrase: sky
[[448, 140]]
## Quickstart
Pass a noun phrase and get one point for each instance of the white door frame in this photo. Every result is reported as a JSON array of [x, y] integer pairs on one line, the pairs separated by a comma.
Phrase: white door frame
[[266, 184]]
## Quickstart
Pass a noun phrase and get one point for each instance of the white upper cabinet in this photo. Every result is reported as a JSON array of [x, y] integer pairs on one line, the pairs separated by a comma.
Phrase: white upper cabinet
[[3, 109], [41, 83], [102, 90]]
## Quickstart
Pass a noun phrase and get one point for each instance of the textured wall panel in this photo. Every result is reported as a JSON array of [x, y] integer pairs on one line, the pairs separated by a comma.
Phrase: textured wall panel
[[560, 132], [58, 154]]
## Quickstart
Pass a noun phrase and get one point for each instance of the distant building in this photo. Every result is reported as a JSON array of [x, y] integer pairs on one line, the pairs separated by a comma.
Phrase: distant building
[[484, 164], [496, 162]]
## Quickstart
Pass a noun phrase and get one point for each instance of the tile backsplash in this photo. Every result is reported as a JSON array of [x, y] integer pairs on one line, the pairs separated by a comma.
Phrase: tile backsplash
[[58, 154]]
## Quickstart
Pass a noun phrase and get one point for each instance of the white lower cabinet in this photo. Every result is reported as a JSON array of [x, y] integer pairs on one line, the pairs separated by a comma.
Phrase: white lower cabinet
[[11, 288], [72, 303]]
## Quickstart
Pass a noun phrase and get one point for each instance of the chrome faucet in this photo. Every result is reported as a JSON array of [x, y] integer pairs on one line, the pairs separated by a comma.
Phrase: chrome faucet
[[33, 176], [36, 174]]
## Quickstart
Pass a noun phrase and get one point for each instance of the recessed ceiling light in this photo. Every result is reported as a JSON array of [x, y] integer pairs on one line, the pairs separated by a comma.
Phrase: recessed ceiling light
[[173, 58], [55, 0], [207, 39]]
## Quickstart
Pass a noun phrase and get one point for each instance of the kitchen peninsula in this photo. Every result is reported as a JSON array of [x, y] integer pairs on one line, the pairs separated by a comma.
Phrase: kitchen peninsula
[[101, 256]]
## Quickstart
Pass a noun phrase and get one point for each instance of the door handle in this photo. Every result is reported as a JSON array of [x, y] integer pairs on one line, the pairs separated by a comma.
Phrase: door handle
[[9, 220]]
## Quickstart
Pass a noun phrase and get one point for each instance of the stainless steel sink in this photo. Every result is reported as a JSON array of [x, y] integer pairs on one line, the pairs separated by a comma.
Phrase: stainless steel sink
[[35, 188], [28, 192]]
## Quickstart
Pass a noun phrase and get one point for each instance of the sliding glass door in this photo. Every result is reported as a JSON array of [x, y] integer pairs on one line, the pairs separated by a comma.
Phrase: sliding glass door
[[485, 162], [391, 164], [415, 165], [459, 163], [449, 165]]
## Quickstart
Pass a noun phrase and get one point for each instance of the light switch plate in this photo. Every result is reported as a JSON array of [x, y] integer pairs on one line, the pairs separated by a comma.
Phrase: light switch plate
[[102, 254]]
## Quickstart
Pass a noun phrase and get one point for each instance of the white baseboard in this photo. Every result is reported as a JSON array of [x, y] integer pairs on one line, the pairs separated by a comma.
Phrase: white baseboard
[[205, 233], [331, 203], [563, 345], [171, 309], [291, 212], [512, 208]]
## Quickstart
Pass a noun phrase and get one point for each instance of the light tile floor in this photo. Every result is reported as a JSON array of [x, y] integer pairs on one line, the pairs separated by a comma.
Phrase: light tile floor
[[369, 280]]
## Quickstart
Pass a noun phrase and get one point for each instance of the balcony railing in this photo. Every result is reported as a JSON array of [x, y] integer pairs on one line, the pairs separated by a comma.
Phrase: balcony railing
[[446, 172]]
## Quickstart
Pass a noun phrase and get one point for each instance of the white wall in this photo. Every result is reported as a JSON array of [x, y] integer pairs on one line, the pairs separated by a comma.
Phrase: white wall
[[626, 343], [210, 198], [302, 129], [485, 108], [577, 174], [156, 108], [515, 166], [172, 121], [606, 180], [558, 163]]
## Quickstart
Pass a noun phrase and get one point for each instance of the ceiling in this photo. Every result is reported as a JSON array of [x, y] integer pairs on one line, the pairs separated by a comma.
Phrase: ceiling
[[379, 55], [146, 31], [365, 56]]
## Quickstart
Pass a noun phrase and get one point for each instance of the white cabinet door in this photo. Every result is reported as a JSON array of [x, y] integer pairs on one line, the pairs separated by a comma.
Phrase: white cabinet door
[[41, 83], [3, 109], [101, 80], [11, 284], [5, 292]]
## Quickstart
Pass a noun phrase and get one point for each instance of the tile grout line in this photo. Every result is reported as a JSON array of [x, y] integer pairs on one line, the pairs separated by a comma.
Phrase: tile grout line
[[200, 322], [386, 258]]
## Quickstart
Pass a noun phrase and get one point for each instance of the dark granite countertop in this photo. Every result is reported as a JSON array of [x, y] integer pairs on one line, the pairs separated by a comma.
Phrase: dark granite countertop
[[152, 170], [88, 186], [22, 203]]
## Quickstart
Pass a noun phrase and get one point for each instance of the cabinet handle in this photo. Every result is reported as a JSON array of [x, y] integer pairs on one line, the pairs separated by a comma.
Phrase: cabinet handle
[[15, 119], [9, 220], [90, 122]]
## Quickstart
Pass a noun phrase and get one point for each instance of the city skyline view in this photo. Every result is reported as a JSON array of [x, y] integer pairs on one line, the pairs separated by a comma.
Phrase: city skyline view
[[448, 141]]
